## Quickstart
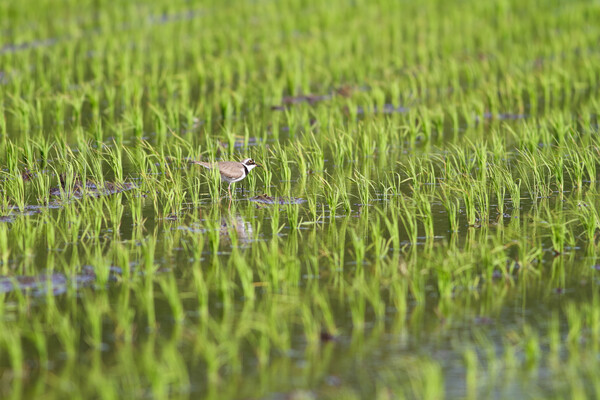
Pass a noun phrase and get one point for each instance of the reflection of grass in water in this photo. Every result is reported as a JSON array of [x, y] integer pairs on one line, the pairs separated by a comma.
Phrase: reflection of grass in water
[[444, 248]]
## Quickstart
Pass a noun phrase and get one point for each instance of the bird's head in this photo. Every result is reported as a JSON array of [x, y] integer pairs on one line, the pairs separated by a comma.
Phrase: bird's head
[[250, 163]]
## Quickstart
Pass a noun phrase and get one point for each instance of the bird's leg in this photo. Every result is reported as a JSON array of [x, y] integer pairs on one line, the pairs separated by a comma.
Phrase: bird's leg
[[229, 188]]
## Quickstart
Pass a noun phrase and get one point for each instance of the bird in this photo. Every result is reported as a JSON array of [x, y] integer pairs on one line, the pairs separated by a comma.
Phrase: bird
[[231, 171]]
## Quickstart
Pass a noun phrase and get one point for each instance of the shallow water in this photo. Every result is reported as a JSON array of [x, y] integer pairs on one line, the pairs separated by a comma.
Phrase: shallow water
[[363, 351], [137, 277]]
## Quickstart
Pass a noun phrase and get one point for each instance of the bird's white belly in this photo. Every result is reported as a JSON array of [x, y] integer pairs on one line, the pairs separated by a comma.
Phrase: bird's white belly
[[231, 179]]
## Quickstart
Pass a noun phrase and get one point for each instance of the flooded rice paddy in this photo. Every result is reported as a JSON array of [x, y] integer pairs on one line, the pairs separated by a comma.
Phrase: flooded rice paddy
[[424, 223]]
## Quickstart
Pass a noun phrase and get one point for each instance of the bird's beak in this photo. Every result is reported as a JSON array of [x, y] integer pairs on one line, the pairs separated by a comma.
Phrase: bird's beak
[[259, 164]]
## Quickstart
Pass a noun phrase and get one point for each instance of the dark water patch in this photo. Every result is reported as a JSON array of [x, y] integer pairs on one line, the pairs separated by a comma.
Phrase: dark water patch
[[291, 100], [287, 101], [386, 109], [79, 190], [327, 336], [27, 175], [193, 229], [265, 199], [238, 144], [4, 79], [500, 116], [17, 47], [483, 320], [172, 217], [242, 228], [228, 225], [13, 212], [152, 19], [185, 15], [55, 283]]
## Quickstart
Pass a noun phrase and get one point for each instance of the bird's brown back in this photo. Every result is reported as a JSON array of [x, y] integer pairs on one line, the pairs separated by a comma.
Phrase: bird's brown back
[[229, 169]]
